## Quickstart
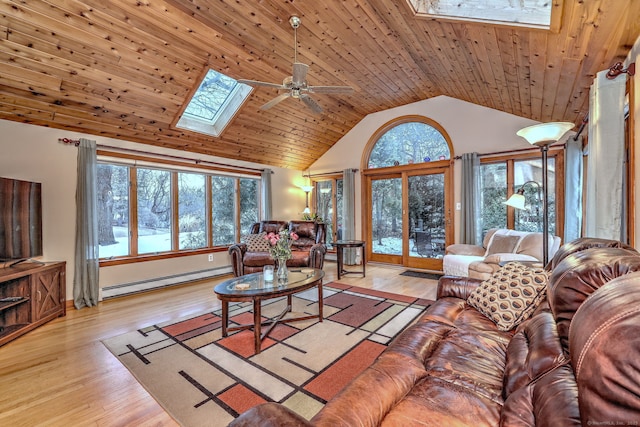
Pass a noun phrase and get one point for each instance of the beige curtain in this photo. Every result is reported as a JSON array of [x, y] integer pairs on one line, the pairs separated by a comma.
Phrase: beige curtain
[[86, 269], [266, 194], [604, 198], [470, 230]]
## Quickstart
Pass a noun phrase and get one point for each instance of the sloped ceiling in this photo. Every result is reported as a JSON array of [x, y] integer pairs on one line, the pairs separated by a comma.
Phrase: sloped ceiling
[[124, 69]]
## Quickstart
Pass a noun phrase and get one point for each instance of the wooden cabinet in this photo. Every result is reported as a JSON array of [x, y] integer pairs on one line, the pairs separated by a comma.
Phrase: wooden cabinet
[[30, 294]]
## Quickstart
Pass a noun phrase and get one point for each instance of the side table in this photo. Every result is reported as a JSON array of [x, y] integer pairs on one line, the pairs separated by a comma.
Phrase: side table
[[340, 245]]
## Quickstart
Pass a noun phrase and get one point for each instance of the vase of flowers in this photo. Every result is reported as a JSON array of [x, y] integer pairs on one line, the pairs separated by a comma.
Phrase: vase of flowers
[[280, 250]]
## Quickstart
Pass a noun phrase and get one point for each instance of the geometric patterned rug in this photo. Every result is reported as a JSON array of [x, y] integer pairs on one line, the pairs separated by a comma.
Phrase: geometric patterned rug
[[202, 379]]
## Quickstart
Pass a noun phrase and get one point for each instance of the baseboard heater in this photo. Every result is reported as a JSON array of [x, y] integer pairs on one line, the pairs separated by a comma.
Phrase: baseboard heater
[[161, 282]]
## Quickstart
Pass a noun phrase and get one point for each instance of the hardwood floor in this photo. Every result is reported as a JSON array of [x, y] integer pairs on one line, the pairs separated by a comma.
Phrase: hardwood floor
[[61, 375]]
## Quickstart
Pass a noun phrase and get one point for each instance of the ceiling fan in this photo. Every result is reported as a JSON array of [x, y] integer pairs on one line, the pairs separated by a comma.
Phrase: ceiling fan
[[296, 85]]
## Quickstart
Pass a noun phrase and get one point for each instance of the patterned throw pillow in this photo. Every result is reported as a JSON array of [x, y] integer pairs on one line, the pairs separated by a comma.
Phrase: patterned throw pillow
[[510, 295], [257, 242]]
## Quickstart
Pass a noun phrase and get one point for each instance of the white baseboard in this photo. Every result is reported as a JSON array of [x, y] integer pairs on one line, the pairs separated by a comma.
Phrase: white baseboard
[[161, 282]]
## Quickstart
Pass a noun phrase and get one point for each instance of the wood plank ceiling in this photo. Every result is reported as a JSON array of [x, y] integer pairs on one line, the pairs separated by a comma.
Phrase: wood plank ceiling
[[124, 69]]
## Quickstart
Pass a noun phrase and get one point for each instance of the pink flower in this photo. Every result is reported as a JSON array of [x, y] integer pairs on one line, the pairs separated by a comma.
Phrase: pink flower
[[294, 236], [272, 238]]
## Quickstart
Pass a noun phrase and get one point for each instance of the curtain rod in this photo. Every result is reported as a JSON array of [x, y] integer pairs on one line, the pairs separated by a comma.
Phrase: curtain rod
[[503, 152], [76, 142], [520, 150], [313, 175]]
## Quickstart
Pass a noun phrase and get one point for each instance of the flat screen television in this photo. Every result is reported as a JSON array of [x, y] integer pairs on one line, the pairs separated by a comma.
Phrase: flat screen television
[[20, 219]]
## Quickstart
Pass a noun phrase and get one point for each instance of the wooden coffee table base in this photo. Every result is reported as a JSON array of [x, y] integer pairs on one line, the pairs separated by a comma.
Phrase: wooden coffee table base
[[259, 336]]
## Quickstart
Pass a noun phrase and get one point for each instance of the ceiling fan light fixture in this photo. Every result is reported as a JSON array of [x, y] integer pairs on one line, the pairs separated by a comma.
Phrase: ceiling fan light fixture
[[295, 22], [296, 85]]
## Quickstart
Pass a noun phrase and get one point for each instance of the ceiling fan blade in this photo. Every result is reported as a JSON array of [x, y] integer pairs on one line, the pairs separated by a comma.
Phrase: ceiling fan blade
[[275, 101], [265, 84], [299, 76], [330, 89], [311, 103]]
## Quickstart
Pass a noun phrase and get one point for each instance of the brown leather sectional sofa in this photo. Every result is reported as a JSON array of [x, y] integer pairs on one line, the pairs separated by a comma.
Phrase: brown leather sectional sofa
[[575, 361], [307, 251]]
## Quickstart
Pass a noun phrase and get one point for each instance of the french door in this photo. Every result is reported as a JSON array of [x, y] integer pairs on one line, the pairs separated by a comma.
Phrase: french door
[[408, 217]]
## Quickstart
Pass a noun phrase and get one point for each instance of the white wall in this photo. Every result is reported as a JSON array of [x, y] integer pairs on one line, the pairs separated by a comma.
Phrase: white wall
[[33, 153], [470, 127]]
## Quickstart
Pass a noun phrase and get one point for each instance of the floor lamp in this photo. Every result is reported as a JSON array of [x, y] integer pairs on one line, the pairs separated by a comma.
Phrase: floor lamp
[[307, 189], [542, 136]]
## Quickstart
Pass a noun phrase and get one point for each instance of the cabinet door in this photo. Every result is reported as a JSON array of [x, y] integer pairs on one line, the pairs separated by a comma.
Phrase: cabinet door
[[48, 293]]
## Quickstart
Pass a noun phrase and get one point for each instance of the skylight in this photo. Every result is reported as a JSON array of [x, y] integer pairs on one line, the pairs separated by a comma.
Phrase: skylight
[[214, 104], [529, 13]]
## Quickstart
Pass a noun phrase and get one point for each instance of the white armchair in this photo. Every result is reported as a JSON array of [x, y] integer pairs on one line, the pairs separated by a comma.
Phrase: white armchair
[[498, 246]]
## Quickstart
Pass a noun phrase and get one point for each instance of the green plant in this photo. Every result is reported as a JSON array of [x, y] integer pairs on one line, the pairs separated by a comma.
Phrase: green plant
[[311, 217]]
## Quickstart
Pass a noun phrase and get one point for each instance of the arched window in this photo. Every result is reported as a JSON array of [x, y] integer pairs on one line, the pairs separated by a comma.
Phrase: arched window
[[409, 142]]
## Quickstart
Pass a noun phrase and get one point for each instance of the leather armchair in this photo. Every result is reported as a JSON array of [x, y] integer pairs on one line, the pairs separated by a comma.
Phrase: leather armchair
[[308, 251]]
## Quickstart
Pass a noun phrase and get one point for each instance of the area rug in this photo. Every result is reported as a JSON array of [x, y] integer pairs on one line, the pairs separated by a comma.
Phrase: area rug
[[202, 379], [421, 274]]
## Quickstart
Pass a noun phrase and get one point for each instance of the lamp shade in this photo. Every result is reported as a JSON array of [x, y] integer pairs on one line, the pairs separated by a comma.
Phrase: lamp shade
[[545, 133], [516, 200], [306, 188]]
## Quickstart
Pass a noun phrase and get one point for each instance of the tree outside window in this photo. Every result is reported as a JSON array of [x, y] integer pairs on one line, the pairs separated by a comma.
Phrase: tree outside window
[[154, 210], [223, 210], [249, 206], [493, 182], [409, 143], [234, 205], [192, 211], [113, 210]]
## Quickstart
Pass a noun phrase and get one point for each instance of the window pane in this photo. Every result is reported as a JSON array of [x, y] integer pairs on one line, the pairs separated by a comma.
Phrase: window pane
[[191, 211], [113, 210], [408, 143], [493, 182], [223, 210], [248, 204], [530, 172], [386, 219], [324, 203], [211, 95], [426, 215], [154, 211]]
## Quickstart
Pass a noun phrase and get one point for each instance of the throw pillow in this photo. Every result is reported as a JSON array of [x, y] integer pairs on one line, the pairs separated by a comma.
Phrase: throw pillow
[[257, 242], [501, 244], [510, 295]]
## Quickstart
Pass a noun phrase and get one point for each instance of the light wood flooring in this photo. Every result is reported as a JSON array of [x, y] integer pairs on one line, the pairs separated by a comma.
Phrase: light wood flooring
[[62, 375]]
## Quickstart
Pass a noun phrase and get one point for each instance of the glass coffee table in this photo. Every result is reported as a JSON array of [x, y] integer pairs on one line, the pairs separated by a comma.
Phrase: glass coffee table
[[253, 287]]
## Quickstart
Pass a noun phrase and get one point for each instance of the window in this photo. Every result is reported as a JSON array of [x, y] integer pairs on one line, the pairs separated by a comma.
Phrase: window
[[192, 213], [493, 182], [223, 210], [529, 13], [144, 211], [523, 171], [113, 210], [407, 188], [154, 210], [409, 143], [328, 202], [214, 104], [248, 204]]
